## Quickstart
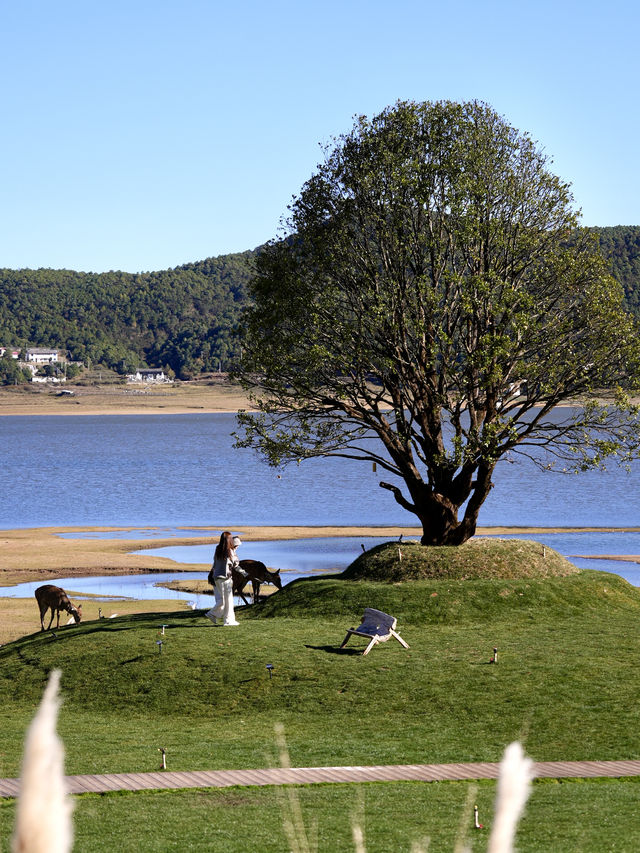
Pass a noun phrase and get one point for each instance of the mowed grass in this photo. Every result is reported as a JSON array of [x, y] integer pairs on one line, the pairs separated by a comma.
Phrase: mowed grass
[[564, 685], [594, 816]]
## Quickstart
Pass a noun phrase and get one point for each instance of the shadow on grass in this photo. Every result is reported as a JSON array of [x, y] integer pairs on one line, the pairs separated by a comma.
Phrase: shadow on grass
[[177, 619], [335, 650]]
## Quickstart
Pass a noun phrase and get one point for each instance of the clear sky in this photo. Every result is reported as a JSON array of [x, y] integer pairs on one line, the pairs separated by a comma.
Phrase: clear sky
[[144, 134]]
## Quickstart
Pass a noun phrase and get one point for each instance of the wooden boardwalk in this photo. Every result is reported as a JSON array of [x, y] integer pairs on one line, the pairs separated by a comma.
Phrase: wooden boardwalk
[[170, 779]]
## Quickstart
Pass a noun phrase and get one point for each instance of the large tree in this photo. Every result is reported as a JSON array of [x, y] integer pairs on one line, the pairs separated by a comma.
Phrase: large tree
[[430, 304]]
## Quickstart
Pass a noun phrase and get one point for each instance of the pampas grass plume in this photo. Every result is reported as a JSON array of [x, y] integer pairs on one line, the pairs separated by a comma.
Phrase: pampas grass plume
[[514, 783], [43, 815]]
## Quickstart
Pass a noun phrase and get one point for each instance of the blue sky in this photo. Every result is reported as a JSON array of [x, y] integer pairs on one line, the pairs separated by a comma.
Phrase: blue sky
[[144, 134]]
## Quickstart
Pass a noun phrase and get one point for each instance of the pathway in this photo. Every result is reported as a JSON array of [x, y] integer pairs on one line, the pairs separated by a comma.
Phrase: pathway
[[170, 779]]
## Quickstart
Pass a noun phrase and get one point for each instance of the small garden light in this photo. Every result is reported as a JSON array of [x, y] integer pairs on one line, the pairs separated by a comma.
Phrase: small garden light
[[270, 669]]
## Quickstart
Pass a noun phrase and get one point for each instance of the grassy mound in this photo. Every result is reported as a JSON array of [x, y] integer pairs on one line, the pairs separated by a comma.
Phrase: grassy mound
[[393, 562], [487, 601], [112, 664]]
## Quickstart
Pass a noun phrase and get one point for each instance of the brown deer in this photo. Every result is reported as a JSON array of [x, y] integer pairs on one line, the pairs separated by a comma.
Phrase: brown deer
[[49, 596], [257, 573]]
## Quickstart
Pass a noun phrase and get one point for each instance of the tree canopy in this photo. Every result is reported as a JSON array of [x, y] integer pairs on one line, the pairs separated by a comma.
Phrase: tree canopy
[[185, 318], [431, 305]]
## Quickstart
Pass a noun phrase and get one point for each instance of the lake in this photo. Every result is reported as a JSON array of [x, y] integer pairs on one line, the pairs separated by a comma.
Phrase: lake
[[182, 470], [301, 557], [170, 471]]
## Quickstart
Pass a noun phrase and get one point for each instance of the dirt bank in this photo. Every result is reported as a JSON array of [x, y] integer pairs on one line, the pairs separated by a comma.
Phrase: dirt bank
[[212, 395]]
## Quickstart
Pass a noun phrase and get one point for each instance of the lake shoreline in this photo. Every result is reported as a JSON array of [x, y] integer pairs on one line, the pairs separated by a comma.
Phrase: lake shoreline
[[217, 395], [43, 554]]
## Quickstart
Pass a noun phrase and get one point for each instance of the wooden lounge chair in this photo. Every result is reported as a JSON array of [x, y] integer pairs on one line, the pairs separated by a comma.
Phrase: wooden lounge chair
[[377, 627]]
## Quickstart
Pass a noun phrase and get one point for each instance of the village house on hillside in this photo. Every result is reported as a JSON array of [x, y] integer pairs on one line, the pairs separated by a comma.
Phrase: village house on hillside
[[13, 353], [42, 355], [148, 374]]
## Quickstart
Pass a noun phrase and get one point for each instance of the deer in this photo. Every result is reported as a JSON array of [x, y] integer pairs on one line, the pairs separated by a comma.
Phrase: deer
[[49, 596], [257, 573]]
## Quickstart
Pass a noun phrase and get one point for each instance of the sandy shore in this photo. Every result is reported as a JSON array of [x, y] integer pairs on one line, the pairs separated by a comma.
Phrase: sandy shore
[[42, 553], [212, 395]]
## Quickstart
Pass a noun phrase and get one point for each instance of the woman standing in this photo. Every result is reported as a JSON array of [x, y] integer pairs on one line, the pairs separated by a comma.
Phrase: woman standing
[[224, 559]]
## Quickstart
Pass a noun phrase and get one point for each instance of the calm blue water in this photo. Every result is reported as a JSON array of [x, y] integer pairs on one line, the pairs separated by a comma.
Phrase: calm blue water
[[182, 470], [306, 555], [164, 472]]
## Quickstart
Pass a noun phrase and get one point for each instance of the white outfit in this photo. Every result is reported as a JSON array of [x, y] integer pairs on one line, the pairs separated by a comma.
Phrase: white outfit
[[223, 589]]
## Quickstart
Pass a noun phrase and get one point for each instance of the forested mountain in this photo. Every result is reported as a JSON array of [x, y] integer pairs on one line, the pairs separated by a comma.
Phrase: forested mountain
[[621, 244], [184, 318]]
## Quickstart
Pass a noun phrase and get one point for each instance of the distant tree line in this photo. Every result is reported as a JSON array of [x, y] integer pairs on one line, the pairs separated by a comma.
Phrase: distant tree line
[[621, 245], [183, 319]]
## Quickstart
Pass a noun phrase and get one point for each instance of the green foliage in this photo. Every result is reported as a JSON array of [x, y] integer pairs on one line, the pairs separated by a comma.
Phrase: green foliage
[[436, 294], [73, 370], [87, 314], [183, 318], [620, 244], [11, 373]]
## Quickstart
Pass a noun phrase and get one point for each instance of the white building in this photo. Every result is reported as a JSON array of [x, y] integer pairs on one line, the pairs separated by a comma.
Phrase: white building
[[148, 374], [42, 355]]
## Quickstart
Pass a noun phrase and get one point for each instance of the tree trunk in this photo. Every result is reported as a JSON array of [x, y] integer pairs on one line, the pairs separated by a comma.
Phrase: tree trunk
[[438, 512], [440, 524]]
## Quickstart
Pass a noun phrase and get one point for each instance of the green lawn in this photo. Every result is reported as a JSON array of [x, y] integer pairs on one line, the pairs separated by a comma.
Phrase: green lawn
[[564, 685]]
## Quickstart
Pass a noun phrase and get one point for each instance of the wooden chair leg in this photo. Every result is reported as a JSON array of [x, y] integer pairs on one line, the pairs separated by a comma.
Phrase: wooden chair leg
[[374, 642], [399, 638], [346, 639]]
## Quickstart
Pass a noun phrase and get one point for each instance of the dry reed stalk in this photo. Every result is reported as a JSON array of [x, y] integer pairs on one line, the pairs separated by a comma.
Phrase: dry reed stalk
[[43, 815], [514, 784], [292, 819], [357, 824]]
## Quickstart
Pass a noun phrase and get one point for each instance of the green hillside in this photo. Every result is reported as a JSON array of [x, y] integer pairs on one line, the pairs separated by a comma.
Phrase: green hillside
[[184, 319], [621, 245]]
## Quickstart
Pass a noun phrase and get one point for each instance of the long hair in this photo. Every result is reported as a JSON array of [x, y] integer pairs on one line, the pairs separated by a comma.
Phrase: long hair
[[225, 548]]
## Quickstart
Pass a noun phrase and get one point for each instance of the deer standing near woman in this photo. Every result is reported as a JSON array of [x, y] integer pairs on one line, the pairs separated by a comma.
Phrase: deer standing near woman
[[49, 596], [257, 573]]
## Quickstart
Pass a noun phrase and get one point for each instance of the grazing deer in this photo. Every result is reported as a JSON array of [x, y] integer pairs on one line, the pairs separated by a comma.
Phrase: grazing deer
[[49, 596], [257, 573]]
